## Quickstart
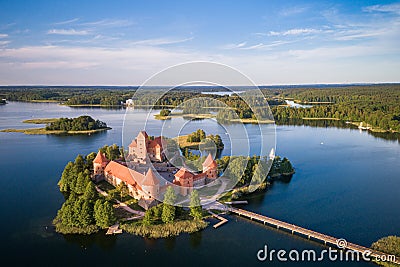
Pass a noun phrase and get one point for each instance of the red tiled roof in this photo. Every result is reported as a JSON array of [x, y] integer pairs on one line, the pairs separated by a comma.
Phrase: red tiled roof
[[209, 162], [156, 142], [184, 173], [127, 175], [100, 158], [133, 144], [150, 179]]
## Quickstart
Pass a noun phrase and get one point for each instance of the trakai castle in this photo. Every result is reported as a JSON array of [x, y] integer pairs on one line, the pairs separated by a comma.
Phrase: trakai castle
[[147, 174]]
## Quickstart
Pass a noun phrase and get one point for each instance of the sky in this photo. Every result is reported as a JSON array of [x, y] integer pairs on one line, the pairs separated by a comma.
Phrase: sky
[[126, 42]]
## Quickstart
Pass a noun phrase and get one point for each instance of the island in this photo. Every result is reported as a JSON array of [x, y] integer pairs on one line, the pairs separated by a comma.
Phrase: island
[[199, 140], [117, 189], [375, 105], [64, 126]]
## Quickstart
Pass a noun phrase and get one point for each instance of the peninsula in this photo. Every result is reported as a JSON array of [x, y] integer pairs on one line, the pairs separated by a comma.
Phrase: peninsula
[[63, 126]]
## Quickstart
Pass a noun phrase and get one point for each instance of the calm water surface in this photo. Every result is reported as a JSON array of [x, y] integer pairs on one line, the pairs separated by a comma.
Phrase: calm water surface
[[346, 185]]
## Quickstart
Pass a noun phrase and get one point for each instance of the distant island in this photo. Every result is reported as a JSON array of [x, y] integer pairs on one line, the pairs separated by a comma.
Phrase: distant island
[[199, 140], [65, 126], [221, 116], [117, 190]]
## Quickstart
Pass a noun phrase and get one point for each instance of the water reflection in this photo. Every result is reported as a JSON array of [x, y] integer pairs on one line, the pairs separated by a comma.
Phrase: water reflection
[[195, 239], [105, 242]]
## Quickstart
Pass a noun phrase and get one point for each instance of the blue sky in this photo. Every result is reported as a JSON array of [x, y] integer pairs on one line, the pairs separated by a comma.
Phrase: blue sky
[[125, 42]]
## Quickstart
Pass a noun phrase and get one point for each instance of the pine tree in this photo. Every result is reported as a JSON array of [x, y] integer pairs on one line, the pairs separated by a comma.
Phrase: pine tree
[[168, 213], [104, 213], [66, 178], [90, 192], [85, 216], [80, 184], [195, 205], [79, 163]]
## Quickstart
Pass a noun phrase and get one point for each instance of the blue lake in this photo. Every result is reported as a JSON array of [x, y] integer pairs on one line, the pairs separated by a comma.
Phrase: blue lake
[[346, 185]]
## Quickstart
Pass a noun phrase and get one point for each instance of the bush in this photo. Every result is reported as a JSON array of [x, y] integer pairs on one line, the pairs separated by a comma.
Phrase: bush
[[165, 230]]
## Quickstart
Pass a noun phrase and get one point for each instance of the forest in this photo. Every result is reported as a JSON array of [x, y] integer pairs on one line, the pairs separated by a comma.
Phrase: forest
[[84, 211], [377, 105], [82, 123]]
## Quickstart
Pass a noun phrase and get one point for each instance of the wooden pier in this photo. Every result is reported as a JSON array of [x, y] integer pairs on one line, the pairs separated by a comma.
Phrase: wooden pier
[[222, 219], [114, 229], [240, 202], [294, 229]]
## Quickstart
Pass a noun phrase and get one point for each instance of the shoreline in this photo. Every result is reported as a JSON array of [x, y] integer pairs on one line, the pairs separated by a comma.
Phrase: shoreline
[[43, 131]]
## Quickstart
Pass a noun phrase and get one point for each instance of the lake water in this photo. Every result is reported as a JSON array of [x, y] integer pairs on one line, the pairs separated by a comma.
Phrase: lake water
[[346, 185]]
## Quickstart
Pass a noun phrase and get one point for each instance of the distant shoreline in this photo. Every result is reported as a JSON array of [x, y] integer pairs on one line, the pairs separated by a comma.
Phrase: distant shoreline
[[54, 132]]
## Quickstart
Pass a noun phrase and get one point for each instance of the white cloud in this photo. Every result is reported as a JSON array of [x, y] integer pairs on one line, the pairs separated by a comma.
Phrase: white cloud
[[234, 46], [294, 32], [132, 65], [391, 8], [66, 21], [3, 43], [252, 47], [244, 46], [68, 32], [3, 35], [161, 41], [109, 23], [293, 11]]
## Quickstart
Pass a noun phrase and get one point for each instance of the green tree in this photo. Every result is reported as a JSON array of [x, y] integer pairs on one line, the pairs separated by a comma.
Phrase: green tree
[[148, 217], [79, 163], [112, 152], [168, 213], [80, 184], [286, 166], [90, 192], [195, 205], [67, 214], [85, 216], [89, 160], [104, 213], [236, 169], [123, 190], [165, 112], [66, 178]]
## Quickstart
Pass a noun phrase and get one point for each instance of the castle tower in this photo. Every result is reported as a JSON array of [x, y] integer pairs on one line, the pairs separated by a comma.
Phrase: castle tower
[[141, 142], [210, 167], [151, 184], [99, 163], [184, 179]]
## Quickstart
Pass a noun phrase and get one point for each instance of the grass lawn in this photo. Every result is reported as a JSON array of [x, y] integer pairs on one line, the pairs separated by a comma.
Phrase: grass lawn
[[41, 121], [183, 143]]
